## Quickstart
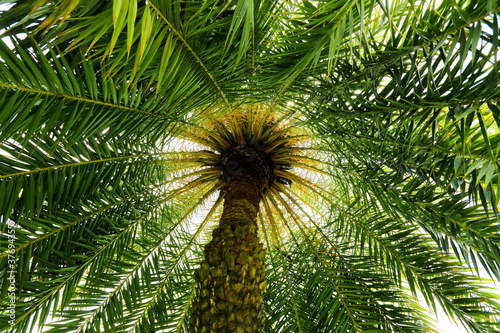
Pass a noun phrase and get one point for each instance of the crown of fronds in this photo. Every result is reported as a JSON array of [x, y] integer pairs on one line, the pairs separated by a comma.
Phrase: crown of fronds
[[211, 150]]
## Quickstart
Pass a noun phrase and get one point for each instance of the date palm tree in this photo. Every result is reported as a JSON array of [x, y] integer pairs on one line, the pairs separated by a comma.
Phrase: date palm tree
[[249, 165]]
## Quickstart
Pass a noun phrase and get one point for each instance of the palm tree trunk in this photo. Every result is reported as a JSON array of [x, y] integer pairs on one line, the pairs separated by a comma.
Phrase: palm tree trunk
[[231, 280]]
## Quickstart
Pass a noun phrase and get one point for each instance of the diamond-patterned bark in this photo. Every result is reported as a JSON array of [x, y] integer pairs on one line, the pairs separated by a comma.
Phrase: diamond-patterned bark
[[231, 279]]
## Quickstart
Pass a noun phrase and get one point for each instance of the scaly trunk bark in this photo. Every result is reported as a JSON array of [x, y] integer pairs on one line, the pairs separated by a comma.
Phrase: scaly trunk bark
[[231, 280]]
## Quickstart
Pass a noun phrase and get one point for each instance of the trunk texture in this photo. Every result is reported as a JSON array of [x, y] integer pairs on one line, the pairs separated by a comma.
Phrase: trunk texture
[[231, 279]]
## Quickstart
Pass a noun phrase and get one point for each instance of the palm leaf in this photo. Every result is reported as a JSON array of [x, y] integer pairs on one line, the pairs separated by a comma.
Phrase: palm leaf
[[390, 211]]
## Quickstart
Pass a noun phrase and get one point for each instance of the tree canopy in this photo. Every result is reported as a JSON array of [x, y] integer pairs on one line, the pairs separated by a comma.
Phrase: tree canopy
[[392, 205]]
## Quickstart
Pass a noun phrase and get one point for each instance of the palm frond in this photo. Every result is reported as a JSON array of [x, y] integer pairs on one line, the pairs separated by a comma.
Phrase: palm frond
[[381, 119]]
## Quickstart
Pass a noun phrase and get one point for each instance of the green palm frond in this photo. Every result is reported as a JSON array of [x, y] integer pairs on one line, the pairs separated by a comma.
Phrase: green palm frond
[[381, 120]]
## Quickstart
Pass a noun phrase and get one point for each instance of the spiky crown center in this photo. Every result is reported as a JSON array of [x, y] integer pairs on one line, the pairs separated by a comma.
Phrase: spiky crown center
[[251, 155], [243, 157]]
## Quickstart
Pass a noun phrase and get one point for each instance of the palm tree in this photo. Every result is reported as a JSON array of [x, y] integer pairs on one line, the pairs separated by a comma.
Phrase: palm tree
[[249, 165]]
